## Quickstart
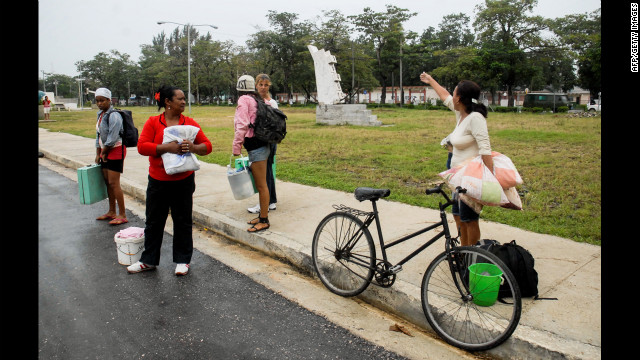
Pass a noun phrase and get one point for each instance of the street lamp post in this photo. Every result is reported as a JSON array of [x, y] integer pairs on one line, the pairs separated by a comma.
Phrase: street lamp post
[[188, 52], [80, 80]]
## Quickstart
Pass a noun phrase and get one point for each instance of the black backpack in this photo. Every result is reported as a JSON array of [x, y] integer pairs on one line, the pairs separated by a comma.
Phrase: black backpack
[[129, 132], [270, 125], [521, 263]]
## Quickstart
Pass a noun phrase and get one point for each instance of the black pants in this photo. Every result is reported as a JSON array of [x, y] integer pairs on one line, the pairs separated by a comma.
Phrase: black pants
[[163, 196], [271, 181]]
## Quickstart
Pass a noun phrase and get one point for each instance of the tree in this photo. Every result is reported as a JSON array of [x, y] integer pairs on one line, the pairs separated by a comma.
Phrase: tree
[[454, 32], [507, 33], [283, 49], [115, 71], [384, 32], [580, 34], [354, 65]]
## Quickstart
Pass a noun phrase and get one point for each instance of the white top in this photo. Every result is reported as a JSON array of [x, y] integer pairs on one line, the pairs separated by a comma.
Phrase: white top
[[470, 138]]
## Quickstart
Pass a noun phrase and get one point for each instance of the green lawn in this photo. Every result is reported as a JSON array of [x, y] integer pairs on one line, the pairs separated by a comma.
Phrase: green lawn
[[558, 158]]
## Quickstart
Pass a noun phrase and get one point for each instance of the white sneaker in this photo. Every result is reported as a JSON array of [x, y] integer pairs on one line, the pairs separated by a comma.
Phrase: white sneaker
[[256, 209], [182, 269], [138, 267]]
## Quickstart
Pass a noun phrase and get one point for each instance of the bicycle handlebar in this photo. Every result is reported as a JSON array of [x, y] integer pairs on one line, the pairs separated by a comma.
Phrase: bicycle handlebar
[[438, 189]]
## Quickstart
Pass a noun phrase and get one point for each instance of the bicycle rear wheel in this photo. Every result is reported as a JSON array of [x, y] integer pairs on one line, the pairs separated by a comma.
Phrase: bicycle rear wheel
[[468, 320], [343, 254]]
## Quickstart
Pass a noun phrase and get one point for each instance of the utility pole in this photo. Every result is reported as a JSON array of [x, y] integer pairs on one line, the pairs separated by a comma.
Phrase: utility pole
[[401, 88]]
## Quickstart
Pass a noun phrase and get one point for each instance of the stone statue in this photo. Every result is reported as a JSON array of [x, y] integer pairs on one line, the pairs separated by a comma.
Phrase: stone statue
[[327, 79], [331, 110]]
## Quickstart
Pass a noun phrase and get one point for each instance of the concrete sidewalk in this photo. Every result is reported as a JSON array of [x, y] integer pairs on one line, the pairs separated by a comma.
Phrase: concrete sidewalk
[[569, 328]]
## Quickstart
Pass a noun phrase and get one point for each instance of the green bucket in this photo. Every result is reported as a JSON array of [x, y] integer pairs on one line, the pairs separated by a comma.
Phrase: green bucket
[[484, 283]]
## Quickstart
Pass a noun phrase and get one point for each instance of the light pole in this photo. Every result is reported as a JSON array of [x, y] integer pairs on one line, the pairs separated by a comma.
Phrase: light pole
[[188, 52], [80, 80], [44, 84]]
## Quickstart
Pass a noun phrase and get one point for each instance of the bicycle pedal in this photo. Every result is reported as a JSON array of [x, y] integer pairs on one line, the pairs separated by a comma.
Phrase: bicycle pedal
[[395, 269]]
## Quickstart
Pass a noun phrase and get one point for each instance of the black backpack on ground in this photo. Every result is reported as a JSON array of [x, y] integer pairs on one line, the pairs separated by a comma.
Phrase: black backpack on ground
[[271, 123], [521, 263], [129, 132]]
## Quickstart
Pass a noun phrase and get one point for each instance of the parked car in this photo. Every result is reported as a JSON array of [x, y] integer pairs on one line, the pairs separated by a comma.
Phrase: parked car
[[594, 106], [546, 100]]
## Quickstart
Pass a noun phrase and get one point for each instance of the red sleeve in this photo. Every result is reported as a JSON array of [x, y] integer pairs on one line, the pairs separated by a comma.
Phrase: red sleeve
[[200, 136], [146, 141]]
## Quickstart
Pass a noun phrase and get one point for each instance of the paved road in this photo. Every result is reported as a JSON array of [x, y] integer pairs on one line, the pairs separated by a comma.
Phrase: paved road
[[90, 307]]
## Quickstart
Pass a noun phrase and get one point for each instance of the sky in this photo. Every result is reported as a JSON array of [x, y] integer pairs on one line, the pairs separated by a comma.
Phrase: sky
[[76, 30]]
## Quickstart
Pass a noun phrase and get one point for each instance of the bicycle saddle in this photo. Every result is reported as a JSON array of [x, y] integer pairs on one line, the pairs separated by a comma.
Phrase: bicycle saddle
[[366, 193]]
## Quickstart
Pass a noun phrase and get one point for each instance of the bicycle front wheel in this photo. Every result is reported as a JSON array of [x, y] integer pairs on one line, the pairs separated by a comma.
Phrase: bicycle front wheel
[[343, 254], [465, 304]]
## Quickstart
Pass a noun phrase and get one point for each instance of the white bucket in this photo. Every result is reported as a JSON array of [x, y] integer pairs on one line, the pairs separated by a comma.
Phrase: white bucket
[[129, 249]]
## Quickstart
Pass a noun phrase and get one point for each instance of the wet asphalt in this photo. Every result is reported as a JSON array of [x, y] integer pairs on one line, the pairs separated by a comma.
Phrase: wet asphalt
[[89, 307]]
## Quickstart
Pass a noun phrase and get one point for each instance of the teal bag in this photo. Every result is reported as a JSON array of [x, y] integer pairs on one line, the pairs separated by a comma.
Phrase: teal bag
[[91, 186], [244, 162]]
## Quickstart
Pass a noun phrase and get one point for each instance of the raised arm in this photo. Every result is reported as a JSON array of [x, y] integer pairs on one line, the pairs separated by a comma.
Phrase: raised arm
[[427, 79]]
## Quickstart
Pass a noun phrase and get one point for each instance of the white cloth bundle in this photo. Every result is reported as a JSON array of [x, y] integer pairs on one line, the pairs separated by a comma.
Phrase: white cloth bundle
[[177, 163]]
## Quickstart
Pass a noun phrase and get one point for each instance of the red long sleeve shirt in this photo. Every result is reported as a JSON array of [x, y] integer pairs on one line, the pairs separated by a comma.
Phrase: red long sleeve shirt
[[152, 135]]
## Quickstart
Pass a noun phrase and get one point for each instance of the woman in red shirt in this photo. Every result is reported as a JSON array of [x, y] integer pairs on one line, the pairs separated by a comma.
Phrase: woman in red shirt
[[168, 192]]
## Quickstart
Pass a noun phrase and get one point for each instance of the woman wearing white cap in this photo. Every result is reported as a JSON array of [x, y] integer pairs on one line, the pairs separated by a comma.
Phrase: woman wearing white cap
[[110, 153], [258, 150]]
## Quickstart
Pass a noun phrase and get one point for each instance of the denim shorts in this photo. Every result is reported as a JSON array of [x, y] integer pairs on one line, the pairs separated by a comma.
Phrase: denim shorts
[[259, 154], [465, 212]]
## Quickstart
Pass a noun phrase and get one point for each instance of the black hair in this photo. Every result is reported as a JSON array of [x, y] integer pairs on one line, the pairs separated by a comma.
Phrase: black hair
[[468, 91], [165, 92]]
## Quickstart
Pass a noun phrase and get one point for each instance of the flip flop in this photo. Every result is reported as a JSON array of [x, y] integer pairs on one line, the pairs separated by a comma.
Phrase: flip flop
[[254, 229], [117, 221], [106, 217]]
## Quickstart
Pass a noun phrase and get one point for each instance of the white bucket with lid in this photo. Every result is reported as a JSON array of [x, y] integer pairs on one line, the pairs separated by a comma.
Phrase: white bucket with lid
[[129, 248]]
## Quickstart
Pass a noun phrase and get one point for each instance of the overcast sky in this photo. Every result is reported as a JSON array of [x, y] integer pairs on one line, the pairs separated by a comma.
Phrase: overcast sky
[[75, 30]]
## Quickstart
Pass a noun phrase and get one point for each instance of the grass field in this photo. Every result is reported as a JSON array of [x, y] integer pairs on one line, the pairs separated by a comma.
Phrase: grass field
[[558, 157]]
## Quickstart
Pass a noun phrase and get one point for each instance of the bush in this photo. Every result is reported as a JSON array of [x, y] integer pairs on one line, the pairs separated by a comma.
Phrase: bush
[[533, 109], [505, 109], [563, 109]]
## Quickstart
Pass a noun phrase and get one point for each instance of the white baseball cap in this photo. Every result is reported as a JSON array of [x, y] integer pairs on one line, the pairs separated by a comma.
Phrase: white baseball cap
[[246, 83]]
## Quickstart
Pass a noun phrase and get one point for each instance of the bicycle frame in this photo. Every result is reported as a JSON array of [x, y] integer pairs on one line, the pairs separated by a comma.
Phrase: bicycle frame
[[373, 216]]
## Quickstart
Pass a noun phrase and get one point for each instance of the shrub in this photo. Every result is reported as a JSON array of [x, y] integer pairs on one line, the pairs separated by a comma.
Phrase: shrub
[[504, 109], [563, 109]]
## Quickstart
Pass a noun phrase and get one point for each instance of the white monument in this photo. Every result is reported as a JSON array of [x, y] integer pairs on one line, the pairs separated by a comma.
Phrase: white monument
[[331, 110]]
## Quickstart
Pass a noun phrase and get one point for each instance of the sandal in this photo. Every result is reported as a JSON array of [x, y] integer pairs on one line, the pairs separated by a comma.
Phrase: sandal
[[261, 220], [118, 221], [254, 221], [106, 217]]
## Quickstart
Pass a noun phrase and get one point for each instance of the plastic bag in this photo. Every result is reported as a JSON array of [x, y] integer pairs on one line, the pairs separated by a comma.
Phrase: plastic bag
[[481, 184], [240, 182], [177, 163]]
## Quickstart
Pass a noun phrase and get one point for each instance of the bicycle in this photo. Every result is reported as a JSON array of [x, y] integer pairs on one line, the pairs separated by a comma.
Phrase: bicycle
[[461, 307]]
